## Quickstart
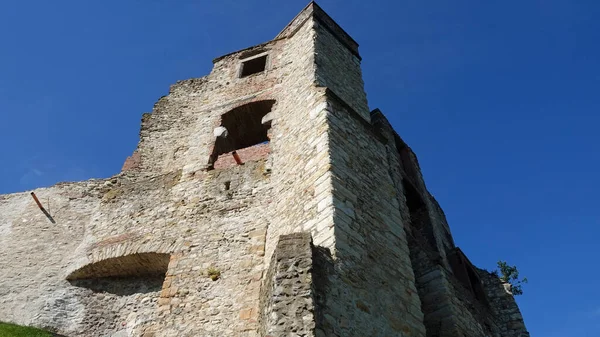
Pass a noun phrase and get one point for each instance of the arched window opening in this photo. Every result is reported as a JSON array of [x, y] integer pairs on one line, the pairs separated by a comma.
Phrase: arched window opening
[[124, 275], [243, 135]]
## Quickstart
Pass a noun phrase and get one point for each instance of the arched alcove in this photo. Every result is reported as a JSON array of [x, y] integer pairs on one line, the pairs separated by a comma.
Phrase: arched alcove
[[140, 264], [124, 275]]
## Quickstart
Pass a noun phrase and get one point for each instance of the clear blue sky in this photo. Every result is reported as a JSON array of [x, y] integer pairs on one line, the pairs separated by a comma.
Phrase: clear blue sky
[[499, 99]]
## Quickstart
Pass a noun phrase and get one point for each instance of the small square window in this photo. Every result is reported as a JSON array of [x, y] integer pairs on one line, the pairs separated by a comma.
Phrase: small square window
[[254, 66]]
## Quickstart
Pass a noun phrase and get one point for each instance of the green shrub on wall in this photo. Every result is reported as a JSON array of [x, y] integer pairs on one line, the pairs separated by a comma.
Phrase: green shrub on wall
[[510, 274]]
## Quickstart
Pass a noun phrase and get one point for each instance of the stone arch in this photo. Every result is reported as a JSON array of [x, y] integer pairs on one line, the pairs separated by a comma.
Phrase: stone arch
[[119, 281], [123, 265], [115, 246]]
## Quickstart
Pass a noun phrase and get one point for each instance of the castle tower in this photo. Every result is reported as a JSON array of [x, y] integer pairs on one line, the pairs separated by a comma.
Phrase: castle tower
[[264, 199]]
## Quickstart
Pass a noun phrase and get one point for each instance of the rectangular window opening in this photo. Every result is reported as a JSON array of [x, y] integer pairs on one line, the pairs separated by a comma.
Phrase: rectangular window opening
[[254, 66]]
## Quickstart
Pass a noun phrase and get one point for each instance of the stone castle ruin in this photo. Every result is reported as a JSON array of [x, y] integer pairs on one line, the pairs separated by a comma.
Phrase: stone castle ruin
[[264, 199]]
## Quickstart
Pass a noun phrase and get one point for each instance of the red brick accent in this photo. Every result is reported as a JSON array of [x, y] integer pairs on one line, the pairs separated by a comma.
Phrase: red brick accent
[[251, 153], [132, 162]]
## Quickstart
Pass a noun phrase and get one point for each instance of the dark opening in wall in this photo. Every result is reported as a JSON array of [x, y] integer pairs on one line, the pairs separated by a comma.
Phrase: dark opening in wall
[[122, 286], [254, 66], [420, 223], [245, 126], [465, 272], [409, 165], [476, 284], [124, 275]]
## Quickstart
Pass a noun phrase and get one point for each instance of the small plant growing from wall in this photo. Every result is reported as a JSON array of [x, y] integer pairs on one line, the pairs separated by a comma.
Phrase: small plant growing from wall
[[510, 274], [213, 273]]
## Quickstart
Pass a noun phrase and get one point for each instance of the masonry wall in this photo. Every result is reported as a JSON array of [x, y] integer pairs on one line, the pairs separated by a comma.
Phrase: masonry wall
[[370, 286], [287, 295], [300, 154], [450, 308], [200, 223], [34, 252], [175, 246], [338, 64], [165, 201], [503, 306]]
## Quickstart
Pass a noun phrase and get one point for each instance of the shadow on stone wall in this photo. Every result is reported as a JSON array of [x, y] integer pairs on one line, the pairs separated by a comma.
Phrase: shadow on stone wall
[[125, 275], [322, 267], [122, 286], [287, 306], [133, 265]]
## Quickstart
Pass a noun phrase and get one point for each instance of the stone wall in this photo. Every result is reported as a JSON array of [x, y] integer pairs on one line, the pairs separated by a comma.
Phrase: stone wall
[[503, 306], [34, 253], [179, 244], [450, 308], [201, 222], [338, 67], [371, 253], [210, 222], [299, 145]]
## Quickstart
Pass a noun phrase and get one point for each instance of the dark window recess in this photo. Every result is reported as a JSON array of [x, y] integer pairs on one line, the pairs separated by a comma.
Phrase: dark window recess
[[244, 128], [406, 160], [465, 272], [254, 66], [420, 222]]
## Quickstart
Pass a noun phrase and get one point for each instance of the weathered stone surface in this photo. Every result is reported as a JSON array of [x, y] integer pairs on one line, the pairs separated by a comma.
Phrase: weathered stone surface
[[287, 295], [326, 229]]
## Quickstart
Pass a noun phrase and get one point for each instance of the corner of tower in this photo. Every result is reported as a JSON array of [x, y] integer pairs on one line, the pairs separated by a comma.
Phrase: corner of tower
[[330, 56], [337, 61], [315, 11]]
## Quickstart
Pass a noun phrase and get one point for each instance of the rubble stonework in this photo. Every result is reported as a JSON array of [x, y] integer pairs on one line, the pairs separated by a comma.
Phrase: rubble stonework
[[323, 226]]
